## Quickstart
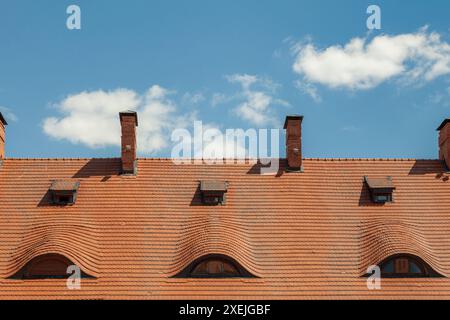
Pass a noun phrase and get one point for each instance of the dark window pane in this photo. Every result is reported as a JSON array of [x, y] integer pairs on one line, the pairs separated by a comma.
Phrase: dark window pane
[[414, 268], [388, 267]]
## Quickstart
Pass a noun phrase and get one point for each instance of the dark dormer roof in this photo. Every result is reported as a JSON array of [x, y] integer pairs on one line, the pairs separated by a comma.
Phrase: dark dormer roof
[[65, 185], [379, 183], [214, 185]]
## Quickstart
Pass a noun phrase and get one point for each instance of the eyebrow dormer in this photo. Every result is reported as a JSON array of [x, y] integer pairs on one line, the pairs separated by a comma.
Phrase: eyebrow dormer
[[381, 189], [64, 192], [213, 192]]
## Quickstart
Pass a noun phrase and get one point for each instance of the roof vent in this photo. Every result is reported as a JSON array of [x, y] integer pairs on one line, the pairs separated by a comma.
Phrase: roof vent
[[213, 192], [64, 192], [381, 189]]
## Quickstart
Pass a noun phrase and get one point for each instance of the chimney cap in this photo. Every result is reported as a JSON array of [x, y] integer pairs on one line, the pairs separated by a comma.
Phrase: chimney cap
[[2, 120], [292, 117], [443, 124], [129, 113]]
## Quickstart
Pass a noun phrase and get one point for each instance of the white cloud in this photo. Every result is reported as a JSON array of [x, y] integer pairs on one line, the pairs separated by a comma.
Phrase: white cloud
[[363, 64], [215, 145], [256, 103], [8, 114], [91, 118], [221, 148]]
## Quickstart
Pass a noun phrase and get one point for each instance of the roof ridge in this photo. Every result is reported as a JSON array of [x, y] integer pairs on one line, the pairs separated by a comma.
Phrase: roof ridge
[[220, 159], [370, 159], [57, 159]]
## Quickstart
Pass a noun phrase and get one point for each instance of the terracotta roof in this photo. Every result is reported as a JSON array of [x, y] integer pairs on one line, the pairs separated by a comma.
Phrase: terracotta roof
[[307, 235]]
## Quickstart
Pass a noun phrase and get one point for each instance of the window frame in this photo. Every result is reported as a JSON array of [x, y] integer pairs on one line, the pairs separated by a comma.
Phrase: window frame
[[188, 272], [26, 272], [426, 270]]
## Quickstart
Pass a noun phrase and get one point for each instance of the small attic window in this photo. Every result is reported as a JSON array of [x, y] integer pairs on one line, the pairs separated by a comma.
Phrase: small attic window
[[381, 189], [47, 266], [214, 266], [406, 266], [64, 192], [214, 192]]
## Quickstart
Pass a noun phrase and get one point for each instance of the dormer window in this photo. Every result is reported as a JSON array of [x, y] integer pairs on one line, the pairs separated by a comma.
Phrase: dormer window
[[406, 266], [214, 192], [214, 266], [47, 266], [64, 192], [381, 189]]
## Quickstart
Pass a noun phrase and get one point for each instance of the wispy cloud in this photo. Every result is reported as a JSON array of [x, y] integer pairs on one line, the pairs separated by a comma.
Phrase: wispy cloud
[[91, 118], [309, 89], [363, 64], [256, 99], [219, 98]]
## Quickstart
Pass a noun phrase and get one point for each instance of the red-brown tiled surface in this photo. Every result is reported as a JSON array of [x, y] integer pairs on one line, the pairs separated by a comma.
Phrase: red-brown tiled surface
[[305, 235]]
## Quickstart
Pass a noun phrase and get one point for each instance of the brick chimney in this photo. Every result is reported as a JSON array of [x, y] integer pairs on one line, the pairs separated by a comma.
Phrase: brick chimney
[[444, 142], [293, 126], [3, 125], [128, 122]]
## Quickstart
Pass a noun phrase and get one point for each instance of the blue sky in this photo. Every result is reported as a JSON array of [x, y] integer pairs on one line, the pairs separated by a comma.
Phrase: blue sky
[[193, 58]]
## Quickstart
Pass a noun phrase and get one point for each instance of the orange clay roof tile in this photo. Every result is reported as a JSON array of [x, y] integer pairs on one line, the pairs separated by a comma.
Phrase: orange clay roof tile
[[307, 235]]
